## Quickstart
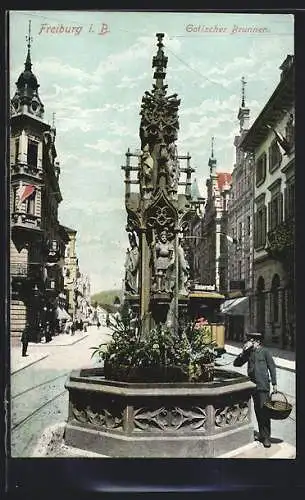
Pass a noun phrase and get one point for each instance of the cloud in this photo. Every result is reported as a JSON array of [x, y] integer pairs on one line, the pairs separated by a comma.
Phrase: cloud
[[55, 66], [103, 146], [131, 82], [94, 207]]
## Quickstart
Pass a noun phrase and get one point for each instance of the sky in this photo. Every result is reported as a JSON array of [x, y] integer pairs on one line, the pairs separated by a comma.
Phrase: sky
[[93, 79]]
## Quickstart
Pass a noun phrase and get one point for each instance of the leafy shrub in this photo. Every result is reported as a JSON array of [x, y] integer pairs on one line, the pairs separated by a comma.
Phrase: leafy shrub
[[190, 350]]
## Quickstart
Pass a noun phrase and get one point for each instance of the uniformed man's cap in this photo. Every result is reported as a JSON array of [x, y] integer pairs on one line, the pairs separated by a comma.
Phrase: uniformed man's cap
[[254, 335]]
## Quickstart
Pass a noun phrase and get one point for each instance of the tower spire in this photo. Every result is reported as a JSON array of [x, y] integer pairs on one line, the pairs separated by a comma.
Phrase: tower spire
[[29, 39], [212, 160], [53, 120], [243, 85], [212, 147], [26, 97], [243, 113]]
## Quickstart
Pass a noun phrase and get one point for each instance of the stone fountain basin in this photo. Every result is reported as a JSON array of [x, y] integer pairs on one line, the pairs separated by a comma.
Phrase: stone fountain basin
[[164, 420]]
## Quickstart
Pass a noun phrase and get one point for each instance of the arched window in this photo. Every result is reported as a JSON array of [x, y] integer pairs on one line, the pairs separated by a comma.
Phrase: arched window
[[275, 285], [260, 305]]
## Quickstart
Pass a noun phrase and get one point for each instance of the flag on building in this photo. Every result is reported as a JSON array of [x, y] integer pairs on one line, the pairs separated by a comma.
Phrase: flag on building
[[24, 192], [283, 143], [231, 240]]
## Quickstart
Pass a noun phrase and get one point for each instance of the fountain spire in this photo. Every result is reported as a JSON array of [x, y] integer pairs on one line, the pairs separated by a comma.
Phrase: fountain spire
[[159, 62]]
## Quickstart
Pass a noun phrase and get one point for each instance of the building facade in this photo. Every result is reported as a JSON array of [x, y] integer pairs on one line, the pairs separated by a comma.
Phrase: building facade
[[210, 247], [37, 244], [271, 140], [71, 270], [240, 228]]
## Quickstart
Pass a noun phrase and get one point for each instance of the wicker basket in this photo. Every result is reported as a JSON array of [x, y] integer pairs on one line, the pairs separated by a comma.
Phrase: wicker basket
[[278, 410]]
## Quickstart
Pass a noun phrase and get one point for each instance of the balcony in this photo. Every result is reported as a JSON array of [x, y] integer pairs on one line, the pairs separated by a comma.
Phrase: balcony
[[53, 251], [280, 241], [50, 284], [22, 169], [25, 270], [54, 284], [19, 270], [25, 277], [26, 222]]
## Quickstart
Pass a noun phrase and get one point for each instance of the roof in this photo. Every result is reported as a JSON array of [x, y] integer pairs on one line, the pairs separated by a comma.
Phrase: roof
[[64, 233], [282, 99], [69, 229], [223, 178], [195, 190]]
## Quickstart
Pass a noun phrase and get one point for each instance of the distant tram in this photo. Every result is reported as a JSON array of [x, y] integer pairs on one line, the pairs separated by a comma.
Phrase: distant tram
[[205, 302]]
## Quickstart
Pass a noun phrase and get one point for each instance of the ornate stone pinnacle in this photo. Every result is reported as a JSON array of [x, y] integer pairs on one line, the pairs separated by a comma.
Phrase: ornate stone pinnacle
[[159, 62]]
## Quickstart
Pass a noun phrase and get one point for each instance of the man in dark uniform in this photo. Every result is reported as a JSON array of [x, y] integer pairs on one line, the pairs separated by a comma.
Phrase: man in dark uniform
[[25, 337], [260, 365]]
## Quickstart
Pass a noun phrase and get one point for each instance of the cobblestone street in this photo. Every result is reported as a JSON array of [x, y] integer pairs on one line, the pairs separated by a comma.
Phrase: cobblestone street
[[38, 396]]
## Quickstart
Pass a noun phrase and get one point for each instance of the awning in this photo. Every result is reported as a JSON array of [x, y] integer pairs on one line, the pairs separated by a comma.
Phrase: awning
[[206, 295], [62, 314], [236, 307], [25, 191]]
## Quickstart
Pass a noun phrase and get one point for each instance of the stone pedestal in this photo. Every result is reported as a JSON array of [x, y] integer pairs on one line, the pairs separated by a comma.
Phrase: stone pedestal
[[168, 420]]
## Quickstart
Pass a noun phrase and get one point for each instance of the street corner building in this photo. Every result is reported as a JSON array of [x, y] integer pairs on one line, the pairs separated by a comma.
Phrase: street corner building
[[242, 236], [42, 251], [270, 141]]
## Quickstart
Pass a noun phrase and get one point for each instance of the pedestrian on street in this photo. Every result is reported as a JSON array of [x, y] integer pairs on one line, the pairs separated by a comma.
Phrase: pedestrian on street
[[260, 365], [73, 328], [25, 337], [48, 333], [107, 320], [68, 326]]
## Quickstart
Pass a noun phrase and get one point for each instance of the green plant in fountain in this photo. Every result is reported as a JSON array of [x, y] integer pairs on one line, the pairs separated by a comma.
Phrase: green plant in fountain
[[192, 352]]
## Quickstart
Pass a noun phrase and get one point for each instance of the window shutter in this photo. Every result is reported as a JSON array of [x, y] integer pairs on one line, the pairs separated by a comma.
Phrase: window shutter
[[264, 165], [281, 208], [264, 225], [12, 151], [269, 217], [286, 209], [270, 158]]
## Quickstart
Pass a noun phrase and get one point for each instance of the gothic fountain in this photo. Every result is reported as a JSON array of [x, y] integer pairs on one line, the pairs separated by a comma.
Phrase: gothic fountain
[[143, 415]]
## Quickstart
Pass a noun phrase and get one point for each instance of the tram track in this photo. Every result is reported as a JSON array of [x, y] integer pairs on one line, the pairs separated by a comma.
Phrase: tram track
[[36, 411], [39, 385]]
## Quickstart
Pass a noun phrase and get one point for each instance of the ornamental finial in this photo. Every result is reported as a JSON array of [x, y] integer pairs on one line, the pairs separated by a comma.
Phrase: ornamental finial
[[29, 39], [243, 85], [159, 61]]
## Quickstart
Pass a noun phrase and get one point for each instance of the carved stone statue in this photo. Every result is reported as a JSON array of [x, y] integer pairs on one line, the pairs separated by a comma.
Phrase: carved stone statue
[[174, 168], [132, 265], [146, 169], [164, 261], [184, 271]]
